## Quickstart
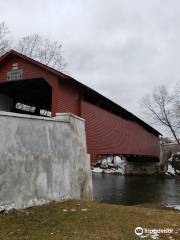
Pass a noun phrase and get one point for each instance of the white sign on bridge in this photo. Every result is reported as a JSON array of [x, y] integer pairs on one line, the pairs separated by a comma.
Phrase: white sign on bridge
[[14, 75]]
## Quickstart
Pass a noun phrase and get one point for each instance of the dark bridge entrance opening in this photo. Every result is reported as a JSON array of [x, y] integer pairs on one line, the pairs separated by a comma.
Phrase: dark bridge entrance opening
[[32, 96]]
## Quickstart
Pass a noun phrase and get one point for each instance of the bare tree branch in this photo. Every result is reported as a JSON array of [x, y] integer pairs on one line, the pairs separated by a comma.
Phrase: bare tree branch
[[35, 46], [42, 49], [160, 104], [4, 40]]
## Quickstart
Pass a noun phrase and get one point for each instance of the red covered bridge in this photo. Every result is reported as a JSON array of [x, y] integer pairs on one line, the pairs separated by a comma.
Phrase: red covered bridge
[[27, 86]]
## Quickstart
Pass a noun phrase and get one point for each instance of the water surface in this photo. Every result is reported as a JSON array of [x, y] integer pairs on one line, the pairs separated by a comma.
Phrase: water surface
[[137, 190]]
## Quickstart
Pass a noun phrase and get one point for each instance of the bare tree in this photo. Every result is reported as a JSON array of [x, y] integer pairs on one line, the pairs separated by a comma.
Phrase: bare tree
[[177, 104], [42, 49], [35, 46], [162, 109], [4, 38]]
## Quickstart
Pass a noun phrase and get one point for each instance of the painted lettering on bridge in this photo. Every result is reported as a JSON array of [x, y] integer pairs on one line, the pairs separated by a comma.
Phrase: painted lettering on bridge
[[14, 75]]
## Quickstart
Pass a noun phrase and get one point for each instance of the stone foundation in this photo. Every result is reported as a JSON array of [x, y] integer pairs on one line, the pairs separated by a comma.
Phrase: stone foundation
[[142, 168]]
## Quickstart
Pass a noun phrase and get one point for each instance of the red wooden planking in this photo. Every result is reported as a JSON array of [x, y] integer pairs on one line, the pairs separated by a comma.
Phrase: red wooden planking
[[111, 134]]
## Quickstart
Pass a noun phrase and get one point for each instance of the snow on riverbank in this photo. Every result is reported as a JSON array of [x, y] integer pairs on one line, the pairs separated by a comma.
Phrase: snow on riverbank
[[170, 171], [173, 165], [97, 170], [175, 207], [111, 165]]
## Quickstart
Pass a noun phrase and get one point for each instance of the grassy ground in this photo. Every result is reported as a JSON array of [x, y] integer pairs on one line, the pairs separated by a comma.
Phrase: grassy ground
[[85, 220]]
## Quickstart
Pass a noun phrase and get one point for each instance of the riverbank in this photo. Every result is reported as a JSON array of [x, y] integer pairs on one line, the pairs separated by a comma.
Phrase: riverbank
[[87, 221]]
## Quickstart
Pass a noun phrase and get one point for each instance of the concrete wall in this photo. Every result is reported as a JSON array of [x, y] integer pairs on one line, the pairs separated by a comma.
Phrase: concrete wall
[[42, 160], [6, 103]]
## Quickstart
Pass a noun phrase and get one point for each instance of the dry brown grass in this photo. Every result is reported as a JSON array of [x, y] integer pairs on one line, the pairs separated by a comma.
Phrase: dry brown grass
[[98, 221]]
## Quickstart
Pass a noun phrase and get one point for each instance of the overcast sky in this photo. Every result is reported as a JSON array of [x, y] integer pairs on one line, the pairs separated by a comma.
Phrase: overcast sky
[[121, 48]]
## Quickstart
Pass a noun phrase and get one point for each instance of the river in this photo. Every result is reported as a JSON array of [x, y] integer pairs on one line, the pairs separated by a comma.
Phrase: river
[[150, 191]]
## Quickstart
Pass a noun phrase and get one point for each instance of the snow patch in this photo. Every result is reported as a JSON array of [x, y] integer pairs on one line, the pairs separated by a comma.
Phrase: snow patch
[[33, 202], [170, 170], [176, 207], [6, 207], [97, 170], [111, 165]]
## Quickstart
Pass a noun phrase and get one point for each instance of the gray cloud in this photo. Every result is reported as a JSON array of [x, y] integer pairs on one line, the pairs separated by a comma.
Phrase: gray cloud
[[121, 48]]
